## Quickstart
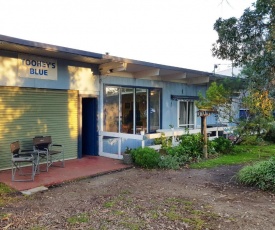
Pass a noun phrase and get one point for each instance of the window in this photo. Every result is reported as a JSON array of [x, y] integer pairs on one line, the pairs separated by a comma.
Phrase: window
[[131, 110], [141, 109], [154, 112], [111, 109], [127, 110], [186, 111], [243, 114]]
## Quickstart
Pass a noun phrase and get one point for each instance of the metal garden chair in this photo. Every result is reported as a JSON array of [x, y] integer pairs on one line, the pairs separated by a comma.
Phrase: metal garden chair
[[49, 151], [21, 158]]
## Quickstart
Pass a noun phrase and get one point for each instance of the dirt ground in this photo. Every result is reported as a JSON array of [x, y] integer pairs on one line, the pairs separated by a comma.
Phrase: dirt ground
[[146, 199]]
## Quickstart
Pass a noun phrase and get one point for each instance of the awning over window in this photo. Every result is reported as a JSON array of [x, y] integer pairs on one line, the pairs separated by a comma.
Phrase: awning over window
[[184, 98]]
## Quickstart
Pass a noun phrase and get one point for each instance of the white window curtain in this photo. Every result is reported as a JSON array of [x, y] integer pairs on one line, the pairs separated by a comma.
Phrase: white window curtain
[[186, 114]]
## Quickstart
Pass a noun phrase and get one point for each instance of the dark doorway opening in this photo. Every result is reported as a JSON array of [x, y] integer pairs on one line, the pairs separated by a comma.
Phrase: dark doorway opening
[[89, 127]]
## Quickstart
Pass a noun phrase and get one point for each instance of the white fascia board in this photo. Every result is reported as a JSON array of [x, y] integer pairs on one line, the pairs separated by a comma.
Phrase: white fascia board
[[197, 80], [147, 73], [177, 76]]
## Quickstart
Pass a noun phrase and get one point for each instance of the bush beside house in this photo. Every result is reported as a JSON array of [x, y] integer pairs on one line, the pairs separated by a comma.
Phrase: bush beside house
[[174, 157], [260, 175]]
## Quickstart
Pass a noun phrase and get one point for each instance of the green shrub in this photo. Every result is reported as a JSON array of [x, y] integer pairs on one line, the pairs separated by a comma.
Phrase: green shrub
[[211, 147], [146, 157], [270, 135], [163, 141], [169, 162], [180, 153], [251, 140], [261, 175], [175, 151], [222, 145], [192, 144]]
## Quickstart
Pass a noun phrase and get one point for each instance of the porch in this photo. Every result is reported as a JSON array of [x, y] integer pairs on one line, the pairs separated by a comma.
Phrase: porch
[[88, 166], [213, 132]]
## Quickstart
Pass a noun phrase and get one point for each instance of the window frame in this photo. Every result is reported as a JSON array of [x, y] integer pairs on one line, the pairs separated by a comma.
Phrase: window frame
[[194, 124], [148, 120]]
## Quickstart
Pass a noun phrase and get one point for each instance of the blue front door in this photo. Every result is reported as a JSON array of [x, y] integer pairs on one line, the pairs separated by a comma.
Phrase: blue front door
[[89, 127]]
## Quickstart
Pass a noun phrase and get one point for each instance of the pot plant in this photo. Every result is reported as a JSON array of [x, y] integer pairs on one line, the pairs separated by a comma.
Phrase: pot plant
[[127, 156], [171, 127]]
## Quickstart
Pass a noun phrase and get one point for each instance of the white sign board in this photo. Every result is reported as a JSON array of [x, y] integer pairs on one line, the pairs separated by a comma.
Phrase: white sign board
[[37, 67]]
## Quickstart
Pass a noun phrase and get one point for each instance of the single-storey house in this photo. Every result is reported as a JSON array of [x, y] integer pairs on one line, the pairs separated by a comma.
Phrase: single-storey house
[[94, 104]]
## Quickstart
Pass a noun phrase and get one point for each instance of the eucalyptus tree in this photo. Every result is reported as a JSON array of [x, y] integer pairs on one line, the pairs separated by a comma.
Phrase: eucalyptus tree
[[249, 41]]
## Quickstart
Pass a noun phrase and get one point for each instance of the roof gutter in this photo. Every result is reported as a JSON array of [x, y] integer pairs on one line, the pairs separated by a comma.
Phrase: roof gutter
[[48, 47]]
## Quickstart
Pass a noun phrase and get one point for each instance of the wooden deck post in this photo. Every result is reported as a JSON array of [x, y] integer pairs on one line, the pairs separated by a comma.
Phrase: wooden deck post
[[204, 113]]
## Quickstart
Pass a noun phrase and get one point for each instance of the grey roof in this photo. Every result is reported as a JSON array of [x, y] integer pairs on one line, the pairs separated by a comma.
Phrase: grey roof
[[110, 65]]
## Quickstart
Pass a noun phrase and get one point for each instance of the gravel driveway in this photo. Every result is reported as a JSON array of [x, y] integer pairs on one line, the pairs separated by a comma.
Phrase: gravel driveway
[[146, 199]]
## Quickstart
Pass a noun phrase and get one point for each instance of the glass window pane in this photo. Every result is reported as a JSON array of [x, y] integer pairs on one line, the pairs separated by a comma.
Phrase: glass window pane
[[126, 109], [141, 110], [111, 109], [186, 114], [127, 99], [154, 111], [183, 111], [191, 114]]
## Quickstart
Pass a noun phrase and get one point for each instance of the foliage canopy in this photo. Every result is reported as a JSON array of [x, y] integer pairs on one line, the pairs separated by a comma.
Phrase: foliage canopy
[[250, 42]]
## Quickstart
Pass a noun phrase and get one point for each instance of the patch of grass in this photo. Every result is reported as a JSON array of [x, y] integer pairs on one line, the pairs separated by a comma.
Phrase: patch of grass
[[195, 217], [178, 200], [182, 210], [5, 216], [4, 189], [132, 225], [129, 201], [197, 212], [242, 154], [115, 200], [109, 204], [103, 226], [37, 228], [173, 215], [125, 192], [154, 214], [196, 222], [198, 218], [118, 212], [80, 218], [6, 194]]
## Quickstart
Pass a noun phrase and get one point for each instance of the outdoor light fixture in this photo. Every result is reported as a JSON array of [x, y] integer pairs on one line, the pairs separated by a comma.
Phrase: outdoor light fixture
[[204, 112]]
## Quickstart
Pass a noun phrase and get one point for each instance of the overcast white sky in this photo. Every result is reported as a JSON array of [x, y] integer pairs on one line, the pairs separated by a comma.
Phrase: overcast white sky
[[170, 32]]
